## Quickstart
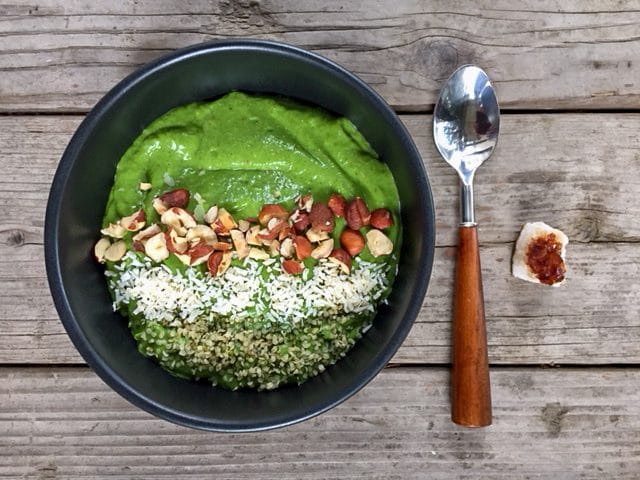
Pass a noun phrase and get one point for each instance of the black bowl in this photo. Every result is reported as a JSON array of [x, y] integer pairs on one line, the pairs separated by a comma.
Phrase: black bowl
[[85, 176]]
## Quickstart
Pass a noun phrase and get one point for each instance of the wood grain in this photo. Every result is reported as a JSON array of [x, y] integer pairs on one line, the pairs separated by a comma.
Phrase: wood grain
[[592, 319], [544, 169], [470, 384], [549, 423], [60, 55], [577, 172]]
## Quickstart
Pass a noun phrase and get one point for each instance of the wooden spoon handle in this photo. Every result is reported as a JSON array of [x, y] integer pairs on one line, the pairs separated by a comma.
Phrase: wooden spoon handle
[[470, 386]]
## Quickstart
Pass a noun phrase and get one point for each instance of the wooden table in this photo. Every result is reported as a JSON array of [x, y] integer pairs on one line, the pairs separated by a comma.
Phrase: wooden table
[[565, 363]]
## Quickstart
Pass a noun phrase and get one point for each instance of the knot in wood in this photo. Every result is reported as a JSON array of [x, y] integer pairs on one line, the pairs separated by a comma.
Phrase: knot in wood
[[14, 238], [439, 58]]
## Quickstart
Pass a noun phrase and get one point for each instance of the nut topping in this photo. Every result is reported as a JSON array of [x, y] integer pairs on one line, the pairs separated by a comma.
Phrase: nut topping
[[285, 232], [174, 242], [224, 223], [378, 243], [272, 210], [287, 249], [202, 232], [292, 267], [185, 217], [252, 236], [274, 248], [135, 221], [100, 248], [302, 247], [178, 219], [184, 258], [222, 246], [341, 258], [300, 221], [352, 241], [211, 215], [114, 230], [305, 202], [175, 198], [227, 220], [159, 206], [144, 186], [295, 236], [240, 243], [218, 263], [266, 237], [258, 254], [315, 237], [321, 218], [323, 250], [150, 231], [381, 218], [271, 224], [156, 248], [337, 204], [243, 226], [116, 251], [213, 263], [226, 262], [357, 214], [199, 253], [273, 231]]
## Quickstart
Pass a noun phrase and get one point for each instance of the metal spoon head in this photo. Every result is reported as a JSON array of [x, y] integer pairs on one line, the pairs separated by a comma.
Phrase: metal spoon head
[[466, 121]]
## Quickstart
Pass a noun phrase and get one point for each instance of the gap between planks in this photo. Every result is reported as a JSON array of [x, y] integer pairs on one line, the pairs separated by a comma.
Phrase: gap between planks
[[67, 56], [593, 320], [571, 424], [399, 110], [391, 365]]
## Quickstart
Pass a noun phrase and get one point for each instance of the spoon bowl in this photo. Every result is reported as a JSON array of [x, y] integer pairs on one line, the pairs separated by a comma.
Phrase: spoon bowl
[[466, 121]]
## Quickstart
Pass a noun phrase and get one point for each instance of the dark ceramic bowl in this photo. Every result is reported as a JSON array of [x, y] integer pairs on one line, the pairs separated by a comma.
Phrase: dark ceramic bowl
[[85, 176]]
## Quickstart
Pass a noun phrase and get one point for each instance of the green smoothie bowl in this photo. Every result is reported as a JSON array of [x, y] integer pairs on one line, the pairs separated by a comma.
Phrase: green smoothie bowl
[[239, 236]]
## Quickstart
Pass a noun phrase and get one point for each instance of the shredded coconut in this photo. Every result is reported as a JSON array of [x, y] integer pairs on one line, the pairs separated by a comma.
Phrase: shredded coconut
[[252, 289]]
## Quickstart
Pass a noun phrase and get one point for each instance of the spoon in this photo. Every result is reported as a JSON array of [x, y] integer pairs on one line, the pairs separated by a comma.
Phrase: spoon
[[466, 122]]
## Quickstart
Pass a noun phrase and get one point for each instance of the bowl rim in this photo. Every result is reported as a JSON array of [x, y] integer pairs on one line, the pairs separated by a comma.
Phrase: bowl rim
[[53, 211]]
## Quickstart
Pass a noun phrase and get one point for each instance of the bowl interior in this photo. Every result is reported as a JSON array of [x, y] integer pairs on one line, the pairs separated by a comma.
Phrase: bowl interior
[[85, 176]]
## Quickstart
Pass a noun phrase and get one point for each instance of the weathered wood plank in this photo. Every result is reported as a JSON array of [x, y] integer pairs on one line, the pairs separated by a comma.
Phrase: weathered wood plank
[[63, 55], [588, 189], [562, 169], [553, 423], [593, 318], [577, 172]]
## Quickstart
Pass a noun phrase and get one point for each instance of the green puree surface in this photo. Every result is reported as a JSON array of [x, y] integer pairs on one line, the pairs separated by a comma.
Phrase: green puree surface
[[240, 152]]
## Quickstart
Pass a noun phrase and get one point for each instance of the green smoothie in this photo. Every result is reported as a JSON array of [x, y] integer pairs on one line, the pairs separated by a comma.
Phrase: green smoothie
[[241, 152]]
